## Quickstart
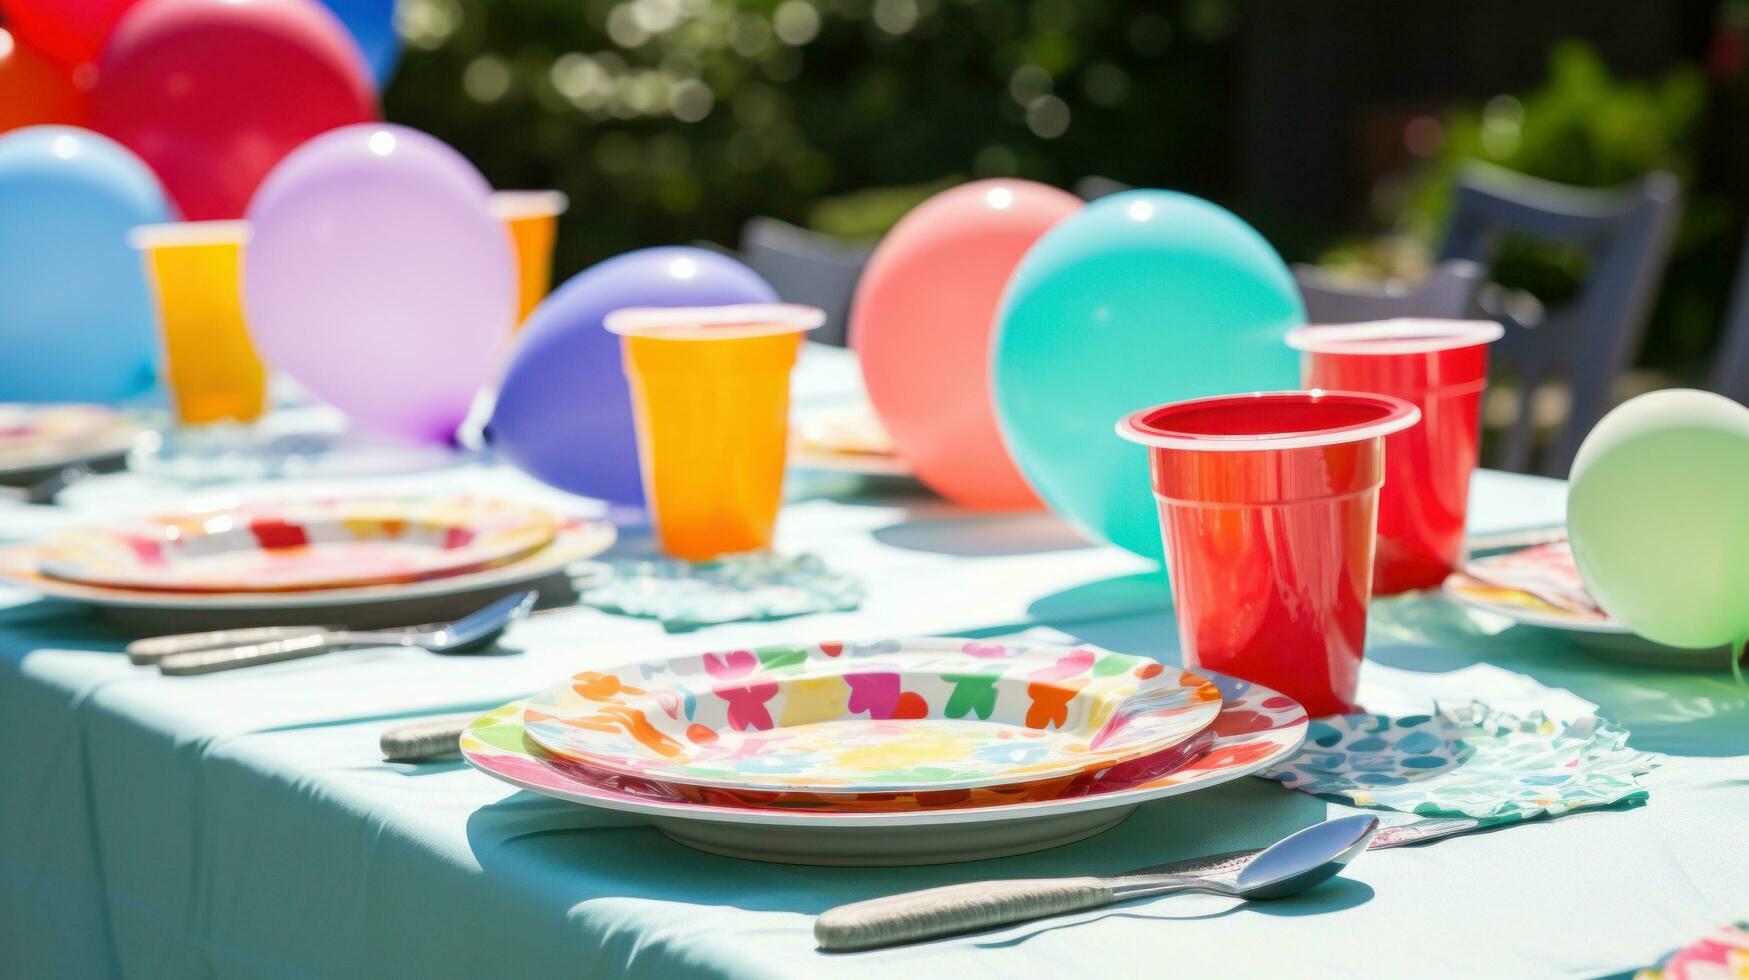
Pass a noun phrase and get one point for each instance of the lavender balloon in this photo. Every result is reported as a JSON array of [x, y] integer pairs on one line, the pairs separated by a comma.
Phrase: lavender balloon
[[377, 277], [564, 414]]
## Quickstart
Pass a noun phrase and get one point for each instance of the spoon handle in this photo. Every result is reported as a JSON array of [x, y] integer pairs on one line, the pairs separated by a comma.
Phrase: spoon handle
[[152, 649], [911, 916], [227, 658], [426, 739]]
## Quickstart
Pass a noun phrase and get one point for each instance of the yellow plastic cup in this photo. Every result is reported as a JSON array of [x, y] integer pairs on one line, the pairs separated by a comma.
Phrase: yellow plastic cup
[[196, 272], [532, 218], [710, 396]]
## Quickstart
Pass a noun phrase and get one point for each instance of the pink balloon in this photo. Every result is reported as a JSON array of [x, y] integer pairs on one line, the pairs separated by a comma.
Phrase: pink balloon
[[921, 324], [378, 278]]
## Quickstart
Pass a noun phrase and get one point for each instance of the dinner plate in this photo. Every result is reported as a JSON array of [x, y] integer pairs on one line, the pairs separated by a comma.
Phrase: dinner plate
[[891, 715], [855, 464], [1254, 729], [302, 545], [38, 440], [432, 600], [1602, 635], [844, 439]]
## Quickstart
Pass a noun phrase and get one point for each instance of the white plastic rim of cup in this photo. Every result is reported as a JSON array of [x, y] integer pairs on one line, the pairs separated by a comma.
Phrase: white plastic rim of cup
[[519, 205], [1395, 415], [714, 322], [1404, 335], [186, 234]]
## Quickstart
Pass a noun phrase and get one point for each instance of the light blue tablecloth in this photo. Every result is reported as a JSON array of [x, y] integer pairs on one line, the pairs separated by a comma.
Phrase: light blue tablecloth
[[243, 824]]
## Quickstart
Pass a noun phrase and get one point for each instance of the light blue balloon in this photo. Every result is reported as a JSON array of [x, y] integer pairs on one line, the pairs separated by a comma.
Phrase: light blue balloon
[[76, 316], [372, 24], [1142, 298]]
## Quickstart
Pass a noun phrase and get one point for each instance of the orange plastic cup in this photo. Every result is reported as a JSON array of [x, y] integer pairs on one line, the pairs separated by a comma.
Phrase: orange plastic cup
[[710, 398], [532, 218], [196, 268]]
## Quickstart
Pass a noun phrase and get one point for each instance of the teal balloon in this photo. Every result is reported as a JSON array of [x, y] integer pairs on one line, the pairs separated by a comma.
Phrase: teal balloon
[[1658, 515], [1142, 298], [76, 317]]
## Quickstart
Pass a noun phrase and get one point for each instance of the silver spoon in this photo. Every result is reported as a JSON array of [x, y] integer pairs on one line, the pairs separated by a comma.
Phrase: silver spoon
[[1289, 866], [475, 630]]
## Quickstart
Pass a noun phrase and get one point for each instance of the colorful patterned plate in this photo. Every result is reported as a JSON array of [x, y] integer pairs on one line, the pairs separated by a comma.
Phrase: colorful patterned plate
[[1540, 587], [1256, 728], [36, 440], [845, 439], [316, 545], [151, 613], [892, 715]]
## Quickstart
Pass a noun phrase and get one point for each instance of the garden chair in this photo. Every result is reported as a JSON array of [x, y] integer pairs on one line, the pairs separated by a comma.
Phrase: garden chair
[[807, 267], [1731, 366], [1448, 292], [1625, 232]]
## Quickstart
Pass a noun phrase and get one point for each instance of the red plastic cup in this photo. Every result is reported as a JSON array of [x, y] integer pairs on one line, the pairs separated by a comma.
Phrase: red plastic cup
[[1267, 506], [1440, 367]]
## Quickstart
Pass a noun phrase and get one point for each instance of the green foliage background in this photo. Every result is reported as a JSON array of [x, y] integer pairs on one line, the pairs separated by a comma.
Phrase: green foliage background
[[879, 94], [676, 120]]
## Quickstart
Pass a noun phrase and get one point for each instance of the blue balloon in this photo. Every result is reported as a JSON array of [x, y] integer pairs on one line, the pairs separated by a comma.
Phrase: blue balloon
[[372, 24], [564, 413], [76, 316], [1142, 298]]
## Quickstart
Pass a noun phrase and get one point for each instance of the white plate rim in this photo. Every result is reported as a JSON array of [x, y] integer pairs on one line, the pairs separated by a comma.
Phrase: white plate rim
[[860, 464]]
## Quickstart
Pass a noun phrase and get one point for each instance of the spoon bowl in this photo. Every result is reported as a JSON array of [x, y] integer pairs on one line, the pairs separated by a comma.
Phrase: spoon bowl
[[1306, 857]]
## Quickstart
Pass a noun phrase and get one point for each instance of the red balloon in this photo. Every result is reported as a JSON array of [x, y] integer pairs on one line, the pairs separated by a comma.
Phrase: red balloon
[[213, 93], [71, 32], [35, 90]]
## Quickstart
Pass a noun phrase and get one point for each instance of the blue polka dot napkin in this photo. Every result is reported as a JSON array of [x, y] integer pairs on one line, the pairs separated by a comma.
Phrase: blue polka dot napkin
[[1469, 761]]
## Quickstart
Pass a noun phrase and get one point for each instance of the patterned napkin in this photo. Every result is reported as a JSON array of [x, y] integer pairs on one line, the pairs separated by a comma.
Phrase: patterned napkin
[[1722, 954], [686, 596], [1470, 762]]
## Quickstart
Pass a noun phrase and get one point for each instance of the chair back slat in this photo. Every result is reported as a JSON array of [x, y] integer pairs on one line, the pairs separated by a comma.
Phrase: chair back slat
[[1626, 233], [807, 267], [1448, 292], [1731, 367]]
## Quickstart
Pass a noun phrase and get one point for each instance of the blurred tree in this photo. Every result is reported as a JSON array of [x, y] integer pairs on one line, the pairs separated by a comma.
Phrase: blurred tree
[[676, 120], [1581, 127]]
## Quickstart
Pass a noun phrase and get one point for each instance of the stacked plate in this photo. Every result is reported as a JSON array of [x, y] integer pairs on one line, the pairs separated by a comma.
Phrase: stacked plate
[[37, 441], [844, 439], [837, 753], [1540, 587], [336, 562]]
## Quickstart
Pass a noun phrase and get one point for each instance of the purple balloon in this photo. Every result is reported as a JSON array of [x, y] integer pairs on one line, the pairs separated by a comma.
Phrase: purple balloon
[[378, 278], [564, 413]]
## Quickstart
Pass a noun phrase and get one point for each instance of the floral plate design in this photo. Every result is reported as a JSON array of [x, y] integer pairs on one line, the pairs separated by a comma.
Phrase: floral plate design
[[892, 715]]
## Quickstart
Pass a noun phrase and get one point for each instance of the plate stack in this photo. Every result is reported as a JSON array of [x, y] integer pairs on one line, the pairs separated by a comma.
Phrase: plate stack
[[342, 562], [839, 753], [37, 441]]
